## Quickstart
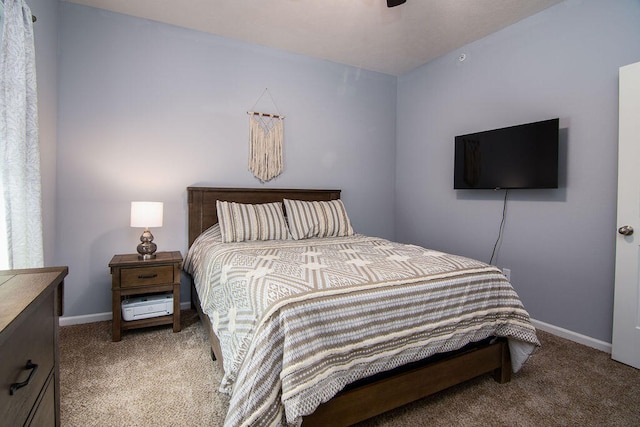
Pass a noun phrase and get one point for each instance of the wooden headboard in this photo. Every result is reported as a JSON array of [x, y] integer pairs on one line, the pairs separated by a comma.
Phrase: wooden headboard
[[202, 202]]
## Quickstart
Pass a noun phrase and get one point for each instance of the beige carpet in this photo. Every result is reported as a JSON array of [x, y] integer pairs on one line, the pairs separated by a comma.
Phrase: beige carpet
[[152, 377], [155, 377]]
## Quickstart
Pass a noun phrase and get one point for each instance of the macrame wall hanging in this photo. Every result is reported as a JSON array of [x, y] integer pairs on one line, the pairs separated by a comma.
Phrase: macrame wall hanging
[[266, 137]]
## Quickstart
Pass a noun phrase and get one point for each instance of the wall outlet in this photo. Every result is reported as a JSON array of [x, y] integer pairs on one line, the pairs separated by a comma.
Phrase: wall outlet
[[507, 273]]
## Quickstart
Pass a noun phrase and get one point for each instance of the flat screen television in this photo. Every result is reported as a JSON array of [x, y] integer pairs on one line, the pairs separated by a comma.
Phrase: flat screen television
[[523, 156]]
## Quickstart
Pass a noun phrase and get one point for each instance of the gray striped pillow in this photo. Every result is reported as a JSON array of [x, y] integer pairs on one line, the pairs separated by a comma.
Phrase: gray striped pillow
[[240, 221], [317, 219]]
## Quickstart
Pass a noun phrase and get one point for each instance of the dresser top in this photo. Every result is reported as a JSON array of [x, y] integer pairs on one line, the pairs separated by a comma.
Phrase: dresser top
[[19, 288]]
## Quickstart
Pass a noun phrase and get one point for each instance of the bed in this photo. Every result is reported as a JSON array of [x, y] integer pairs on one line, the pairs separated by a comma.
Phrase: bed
[[278, 370]]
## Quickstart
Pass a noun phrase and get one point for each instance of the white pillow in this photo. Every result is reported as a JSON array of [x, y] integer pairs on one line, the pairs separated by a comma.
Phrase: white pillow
[[240, 221], [317, 219]]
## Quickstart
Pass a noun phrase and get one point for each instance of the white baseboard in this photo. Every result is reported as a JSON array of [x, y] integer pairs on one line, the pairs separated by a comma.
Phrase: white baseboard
[[99, 317], [572, 336], [85, 318]]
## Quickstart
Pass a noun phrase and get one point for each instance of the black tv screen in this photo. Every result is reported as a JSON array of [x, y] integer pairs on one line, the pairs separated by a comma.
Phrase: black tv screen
[[523, 156]]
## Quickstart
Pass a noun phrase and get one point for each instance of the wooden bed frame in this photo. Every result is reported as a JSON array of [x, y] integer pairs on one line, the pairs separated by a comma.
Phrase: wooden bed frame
[[366, 398]]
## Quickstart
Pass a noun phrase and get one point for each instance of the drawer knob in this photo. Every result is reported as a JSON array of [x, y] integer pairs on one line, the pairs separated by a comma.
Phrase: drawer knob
[[147, 276], [15, 386]]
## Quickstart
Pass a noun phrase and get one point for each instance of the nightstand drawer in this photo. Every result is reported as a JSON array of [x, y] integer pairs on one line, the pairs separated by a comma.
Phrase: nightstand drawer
[[145, 276]]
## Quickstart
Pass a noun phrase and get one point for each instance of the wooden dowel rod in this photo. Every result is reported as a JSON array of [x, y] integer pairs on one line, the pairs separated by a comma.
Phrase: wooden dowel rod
[[275, 116]]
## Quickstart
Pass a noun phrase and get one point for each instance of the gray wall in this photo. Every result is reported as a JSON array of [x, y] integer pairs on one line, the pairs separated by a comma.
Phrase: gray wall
[[134, 93], [559, 244], [45, 31], [147, 109]]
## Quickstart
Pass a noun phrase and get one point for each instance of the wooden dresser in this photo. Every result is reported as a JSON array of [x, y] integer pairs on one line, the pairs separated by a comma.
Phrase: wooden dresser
[[30, 303]]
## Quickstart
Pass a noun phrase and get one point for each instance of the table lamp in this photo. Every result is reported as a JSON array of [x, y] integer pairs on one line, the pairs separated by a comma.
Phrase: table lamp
[[146, 214]]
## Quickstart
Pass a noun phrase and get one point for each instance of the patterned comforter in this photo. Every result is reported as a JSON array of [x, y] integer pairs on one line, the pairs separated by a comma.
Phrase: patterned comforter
[[299, 320]]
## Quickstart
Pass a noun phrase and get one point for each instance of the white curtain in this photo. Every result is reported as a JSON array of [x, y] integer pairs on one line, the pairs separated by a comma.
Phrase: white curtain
[[20, 202]]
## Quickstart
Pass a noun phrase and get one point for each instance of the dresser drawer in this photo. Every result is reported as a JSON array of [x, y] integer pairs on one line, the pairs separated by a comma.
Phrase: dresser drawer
[[33, 339], [45, 413], [145, 276]]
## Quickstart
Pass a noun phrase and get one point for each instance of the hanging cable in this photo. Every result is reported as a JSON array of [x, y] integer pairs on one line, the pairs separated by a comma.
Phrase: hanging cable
[[504, 211]]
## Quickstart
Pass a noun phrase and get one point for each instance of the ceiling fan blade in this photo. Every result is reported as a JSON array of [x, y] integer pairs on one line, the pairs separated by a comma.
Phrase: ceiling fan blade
[[393, 3]]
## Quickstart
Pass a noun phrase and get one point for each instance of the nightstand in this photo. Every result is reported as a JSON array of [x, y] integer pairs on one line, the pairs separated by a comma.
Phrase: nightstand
[[133, 276]]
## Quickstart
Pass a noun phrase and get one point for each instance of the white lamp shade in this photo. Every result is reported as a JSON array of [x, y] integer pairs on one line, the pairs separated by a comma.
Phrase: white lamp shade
[[146, 214]]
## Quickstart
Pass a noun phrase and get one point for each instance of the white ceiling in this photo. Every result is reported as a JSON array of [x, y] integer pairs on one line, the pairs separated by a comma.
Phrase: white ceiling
[[361, 33]]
